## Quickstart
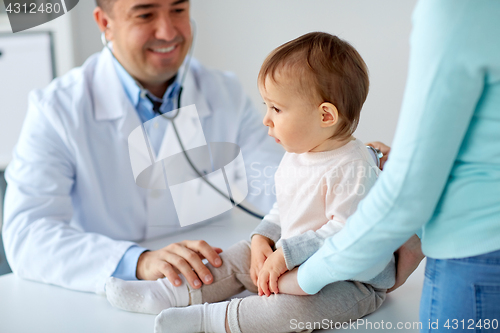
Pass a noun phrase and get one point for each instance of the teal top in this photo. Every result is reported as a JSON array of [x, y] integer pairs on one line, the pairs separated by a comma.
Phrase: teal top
[[443, 174]]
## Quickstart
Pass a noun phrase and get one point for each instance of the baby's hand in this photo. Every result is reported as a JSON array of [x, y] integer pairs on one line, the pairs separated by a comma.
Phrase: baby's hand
[[261, 250], [273, 268]]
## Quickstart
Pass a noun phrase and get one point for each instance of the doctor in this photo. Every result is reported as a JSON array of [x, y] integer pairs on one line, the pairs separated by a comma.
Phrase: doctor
[[73, 211]]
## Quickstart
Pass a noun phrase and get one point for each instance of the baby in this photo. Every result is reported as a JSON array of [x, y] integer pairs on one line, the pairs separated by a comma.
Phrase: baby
[[314, 88]]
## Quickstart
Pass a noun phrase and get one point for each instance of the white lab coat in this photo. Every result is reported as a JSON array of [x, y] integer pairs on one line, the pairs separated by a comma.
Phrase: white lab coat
[[72, 206]]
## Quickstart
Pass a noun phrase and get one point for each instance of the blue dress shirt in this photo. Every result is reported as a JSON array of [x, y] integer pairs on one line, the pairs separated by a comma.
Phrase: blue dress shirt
[[155, 127]]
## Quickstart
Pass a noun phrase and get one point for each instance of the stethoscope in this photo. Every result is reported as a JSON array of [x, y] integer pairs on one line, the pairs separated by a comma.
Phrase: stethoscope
[[170, 116], [375, 153]]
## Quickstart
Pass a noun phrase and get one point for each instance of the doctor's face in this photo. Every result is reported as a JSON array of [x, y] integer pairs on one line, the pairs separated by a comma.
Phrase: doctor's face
[[150, 37]]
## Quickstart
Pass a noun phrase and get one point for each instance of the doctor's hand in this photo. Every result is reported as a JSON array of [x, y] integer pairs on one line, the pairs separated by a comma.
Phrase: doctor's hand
[[184, 257], [273, 268], [383, 149], [260, 250]]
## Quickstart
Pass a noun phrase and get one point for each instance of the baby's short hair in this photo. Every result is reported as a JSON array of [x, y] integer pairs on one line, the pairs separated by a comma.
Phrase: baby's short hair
[[328, 69]]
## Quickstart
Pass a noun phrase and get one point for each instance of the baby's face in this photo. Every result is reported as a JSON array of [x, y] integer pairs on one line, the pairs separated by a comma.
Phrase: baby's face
[[293, 120]]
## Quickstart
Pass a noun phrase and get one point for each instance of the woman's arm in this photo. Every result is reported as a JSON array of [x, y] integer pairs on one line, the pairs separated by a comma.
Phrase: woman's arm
[[445, 81]]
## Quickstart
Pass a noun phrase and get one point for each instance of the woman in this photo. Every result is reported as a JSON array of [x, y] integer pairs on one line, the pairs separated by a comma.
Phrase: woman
[[442, 180]]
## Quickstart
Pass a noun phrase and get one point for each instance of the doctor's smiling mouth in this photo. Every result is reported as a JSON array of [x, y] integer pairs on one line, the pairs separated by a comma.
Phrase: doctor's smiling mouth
[[151, 38]]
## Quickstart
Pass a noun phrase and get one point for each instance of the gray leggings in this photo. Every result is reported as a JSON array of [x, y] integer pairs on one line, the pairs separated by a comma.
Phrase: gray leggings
[[337, 302]]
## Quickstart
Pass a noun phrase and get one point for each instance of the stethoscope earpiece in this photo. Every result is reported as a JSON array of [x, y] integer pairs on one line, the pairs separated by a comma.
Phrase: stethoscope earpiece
[[104, 41]]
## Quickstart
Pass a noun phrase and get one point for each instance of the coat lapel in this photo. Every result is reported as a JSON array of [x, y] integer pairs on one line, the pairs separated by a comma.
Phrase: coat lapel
[[111, 103]]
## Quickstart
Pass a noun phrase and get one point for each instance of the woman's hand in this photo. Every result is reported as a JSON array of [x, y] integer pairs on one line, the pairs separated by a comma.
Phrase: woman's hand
[[408, 257], [383, 149], [260, 250], [288, 283]]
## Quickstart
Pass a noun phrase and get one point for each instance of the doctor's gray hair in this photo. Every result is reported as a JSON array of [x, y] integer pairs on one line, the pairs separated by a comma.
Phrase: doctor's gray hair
[[327, 69]]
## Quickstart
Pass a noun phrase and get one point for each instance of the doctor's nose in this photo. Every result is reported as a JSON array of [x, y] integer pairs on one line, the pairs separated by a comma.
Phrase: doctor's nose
[[165, 29]]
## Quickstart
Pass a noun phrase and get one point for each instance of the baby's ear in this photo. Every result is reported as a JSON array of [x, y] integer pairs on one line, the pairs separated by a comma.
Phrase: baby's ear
[[329, 114]]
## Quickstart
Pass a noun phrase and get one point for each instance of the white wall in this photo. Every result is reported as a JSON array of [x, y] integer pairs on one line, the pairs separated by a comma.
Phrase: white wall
[[30, 72], [86, 34], [237, 36], [63, 41]]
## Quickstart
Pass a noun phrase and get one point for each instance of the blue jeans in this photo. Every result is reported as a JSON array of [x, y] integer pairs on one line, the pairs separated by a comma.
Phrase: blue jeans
[[461, 295]]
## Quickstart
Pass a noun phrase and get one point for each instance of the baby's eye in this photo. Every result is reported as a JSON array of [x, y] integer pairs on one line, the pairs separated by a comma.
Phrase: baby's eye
[[276, 109]]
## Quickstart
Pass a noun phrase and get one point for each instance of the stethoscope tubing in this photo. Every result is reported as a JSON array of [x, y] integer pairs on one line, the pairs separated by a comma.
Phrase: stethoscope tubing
[[202, 176], [171, 118]]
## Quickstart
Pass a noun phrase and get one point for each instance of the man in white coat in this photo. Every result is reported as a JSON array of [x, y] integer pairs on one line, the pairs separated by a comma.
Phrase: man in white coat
[[73, 211]]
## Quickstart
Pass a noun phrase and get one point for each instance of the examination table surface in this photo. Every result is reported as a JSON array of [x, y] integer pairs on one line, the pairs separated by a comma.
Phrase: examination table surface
[[27, 306]]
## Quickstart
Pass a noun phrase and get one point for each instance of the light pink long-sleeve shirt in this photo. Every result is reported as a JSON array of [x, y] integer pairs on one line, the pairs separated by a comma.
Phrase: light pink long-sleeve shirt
[[316, 193]]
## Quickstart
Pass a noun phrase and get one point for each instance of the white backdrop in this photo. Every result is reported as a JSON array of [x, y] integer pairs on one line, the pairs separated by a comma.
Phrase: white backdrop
[[30, 69], [25, 64], [237, 35]]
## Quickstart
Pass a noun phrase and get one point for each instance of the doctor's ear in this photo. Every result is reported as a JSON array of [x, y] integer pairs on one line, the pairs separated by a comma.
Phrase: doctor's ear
[[103, 21], [329, 114]]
